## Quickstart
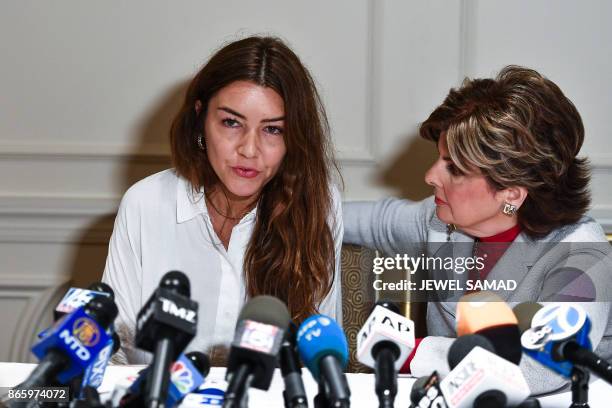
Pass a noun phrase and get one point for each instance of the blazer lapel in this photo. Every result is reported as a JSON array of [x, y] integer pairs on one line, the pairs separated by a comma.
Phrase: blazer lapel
[[515, 263]]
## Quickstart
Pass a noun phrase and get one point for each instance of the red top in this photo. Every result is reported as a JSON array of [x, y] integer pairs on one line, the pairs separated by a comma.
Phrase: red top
[[505, 236], [491, 254], [491, 249]]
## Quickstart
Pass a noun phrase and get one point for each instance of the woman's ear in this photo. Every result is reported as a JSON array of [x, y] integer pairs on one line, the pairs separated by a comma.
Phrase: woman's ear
[[198, 106], [515, 195]]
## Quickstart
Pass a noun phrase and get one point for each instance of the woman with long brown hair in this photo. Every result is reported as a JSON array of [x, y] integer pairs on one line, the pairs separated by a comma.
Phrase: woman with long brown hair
[[248, 209]]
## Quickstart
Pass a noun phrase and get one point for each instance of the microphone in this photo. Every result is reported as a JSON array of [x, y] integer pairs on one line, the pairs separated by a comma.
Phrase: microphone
[[72, 343], [254, 351], [559, 339], [483, 379], [487, 314], [94, 373], [77, 297], [462, 346], [324, 351], [164, 326], [384, 343], [210, 394], [187, 373], [294, 394], [524, 313], [426, 393]]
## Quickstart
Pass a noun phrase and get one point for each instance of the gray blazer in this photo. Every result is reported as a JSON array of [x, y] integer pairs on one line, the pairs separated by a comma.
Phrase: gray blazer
[[578, 270]]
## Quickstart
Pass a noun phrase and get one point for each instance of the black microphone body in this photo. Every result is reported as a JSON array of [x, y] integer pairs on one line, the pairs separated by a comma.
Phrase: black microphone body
[[294, 394], [46, 370], [581, 356], [165, 326], [336, 385], [159, 374], [235, 394], [385, 354]]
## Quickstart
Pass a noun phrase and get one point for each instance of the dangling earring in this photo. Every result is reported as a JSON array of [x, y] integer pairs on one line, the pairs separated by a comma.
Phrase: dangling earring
[[509, 209], [201, 143]]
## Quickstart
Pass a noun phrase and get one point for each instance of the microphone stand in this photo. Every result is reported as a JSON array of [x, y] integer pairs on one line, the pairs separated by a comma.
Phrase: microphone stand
[[580, 387], [236, 395], [320, 400]]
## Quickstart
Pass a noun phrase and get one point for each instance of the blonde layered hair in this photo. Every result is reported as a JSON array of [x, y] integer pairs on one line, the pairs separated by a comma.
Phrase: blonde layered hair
[[518, 129]]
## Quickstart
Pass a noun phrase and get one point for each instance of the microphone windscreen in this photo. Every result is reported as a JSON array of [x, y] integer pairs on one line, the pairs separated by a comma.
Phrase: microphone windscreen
[[266, 309], [530, 403], [481, 310], [487, 314], [102, 287], [320, 336], [176, 281], [524, 313], [103, 309], [491, 399], [200, 361], [462, 346], [392, 306]]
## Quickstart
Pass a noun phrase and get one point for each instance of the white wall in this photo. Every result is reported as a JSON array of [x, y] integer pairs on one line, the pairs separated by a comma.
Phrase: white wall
[[88, 90]]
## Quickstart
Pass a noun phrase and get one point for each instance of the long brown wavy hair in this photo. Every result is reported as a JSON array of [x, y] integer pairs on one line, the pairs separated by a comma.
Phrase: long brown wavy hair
[[291, 252]]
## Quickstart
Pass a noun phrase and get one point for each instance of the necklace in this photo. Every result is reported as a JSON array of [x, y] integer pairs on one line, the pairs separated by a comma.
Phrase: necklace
[[450, 228], [224, 215]]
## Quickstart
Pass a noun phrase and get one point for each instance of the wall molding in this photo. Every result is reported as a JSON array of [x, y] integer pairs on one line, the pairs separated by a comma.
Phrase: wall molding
[[146, 154], [41, 294], [82, 151], [56, 219]]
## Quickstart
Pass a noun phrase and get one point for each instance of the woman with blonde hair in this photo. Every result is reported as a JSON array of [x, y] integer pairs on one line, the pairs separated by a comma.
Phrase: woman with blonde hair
[[508, 187]]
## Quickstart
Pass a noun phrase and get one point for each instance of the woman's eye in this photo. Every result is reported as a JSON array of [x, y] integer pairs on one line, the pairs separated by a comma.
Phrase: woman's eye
[[454, 170], [229, 122], [274, 130]]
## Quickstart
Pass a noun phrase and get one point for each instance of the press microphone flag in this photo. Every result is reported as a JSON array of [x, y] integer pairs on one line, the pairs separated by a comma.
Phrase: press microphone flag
[[559, 339], [78, 297], [426, 393], [384, 325], [187, 373], [94, 374], [73, 342], [254, 351], [384, 343], [482, 372]]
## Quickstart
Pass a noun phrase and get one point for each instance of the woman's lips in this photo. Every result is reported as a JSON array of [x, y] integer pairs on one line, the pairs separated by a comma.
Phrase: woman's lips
[[439, 201], [245, 172]]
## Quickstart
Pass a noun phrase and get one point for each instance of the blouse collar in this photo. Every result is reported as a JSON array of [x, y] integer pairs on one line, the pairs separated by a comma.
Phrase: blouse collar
[[190, 204]]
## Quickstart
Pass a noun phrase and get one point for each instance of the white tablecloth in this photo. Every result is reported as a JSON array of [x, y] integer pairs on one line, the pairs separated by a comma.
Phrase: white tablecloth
[[361, 385]]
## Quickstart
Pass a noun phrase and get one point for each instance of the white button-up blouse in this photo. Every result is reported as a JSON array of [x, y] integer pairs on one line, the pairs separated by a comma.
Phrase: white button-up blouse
[[161, 225]]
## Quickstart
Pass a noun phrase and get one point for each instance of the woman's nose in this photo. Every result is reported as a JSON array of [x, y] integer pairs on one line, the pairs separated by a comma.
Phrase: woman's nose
[[248, 144], [432, 175]]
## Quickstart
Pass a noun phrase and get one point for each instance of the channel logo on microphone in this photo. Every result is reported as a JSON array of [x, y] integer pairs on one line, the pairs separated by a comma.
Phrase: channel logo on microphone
[[181, 377], [259, 336], [564, 320], [86, 331]]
